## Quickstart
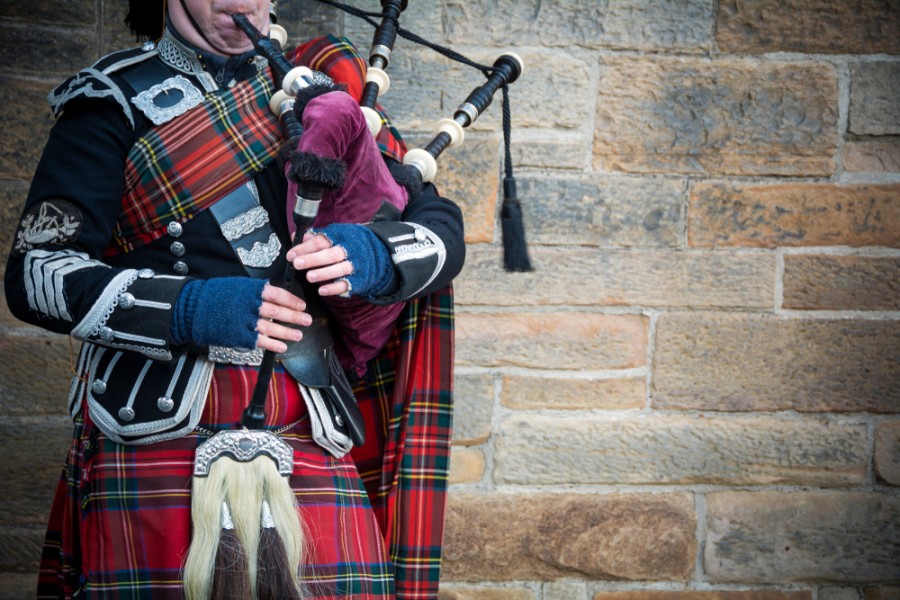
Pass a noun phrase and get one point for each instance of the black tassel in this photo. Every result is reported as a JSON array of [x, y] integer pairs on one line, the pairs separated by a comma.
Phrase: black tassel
[[327, 172], [305, 95], [515, 249], [272, 571], [231, 577]]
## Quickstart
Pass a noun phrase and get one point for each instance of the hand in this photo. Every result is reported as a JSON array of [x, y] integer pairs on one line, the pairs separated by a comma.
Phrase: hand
[[325, 261], [279, 305]]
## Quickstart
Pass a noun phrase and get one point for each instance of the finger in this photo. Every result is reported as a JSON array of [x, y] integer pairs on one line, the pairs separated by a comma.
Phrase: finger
[[268, 310], [267, 343], [337, 288], [310, 244], [282, 297], [277, 331], [341, 269]]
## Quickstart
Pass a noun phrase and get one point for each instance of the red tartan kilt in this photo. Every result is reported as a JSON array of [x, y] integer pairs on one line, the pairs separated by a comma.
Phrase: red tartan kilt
[[120, 524]]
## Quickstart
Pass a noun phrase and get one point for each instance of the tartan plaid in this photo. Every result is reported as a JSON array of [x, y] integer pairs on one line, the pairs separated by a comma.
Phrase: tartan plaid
[[120, 522], [181, 167]]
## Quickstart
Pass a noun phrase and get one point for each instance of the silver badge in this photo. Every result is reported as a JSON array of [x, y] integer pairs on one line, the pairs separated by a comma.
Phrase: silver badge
[[148, 100]]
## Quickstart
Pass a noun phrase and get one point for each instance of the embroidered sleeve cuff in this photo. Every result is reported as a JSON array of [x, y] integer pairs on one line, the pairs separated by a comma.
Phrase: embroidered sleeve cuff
[[134, 312], [418, 255]]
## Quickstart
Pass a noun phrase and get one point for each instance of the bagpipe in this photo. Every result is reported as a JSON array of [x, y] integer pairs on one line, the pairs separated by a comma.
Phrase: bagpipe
[[247, 534]]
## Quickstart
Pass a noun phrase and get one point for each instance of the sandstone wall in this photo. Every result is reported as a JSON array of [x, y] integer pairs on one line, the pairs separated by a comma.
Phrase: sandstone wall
[[696, 395]]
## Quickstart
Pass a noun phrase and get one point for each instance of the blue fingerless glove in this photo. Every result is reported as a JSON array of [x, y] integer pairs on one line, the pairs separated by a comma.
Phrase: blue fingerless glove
[[218, 312], [373, 270]]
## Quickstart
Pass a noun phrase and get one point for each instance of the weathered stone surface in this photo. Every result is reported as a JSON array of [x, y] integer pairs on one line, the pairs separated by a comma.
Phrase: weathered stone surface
[[12, 199], [842, 283], [33, 50], [473, 408], [553, 150], [840, 593], [455, 592], [813, 26], [603, 211], [875, 97], [20, 548], [537, 449], [564, 590], [887, 451], [569, 341], [470, 176], [620, 24], [536, 393], [51, 12], [432, 87], [423, 18], [21, 392], [801, 214], [32, 452], [884, 592], [27, 120], [773, 537], [551, 536], [714, 595], [466, 465], [716, 117], [619, 278], [744, 362], [18, 586], [872, 156]]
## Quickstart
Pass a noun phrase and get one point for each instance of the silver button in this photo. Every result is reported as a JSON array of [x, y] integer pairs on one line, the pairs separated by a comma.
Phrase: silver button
[[126, 414], [420, 235], [174, 229], [165, 404], [177, 248], [99, 386], [146, 273], [126, 301], [106, 334], [180, 267]]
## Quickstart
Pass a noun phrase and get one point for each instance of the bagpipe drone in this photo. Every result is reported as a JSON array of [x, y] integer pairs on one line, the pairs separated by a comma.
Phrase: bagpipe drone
[[247, 535]]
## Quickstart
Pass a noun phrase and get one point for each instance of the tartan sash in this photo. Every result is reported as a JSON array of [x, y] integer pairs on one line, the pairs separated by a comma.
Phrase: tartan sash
[[180, 168]]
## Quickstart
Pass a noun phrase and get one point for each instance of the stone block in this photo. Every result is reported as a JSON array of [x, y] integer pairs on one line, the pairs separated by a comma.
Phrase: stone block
[[887, 451], [466, 465], [20, 548], [623, 24], [51, 12], [602, 211], [456, 592], [799, 214], [875, 97], [590, 277], [546, 537], [840, 593], [706, 595], [470, 176], [871, 156], [726, 116], [550, 149], [33, 50], [473, 408], [27, 120], [422, 18], [753, 362], [568, 341], [12, 200], [37, 381], [543, 450], [810, 26], [18, 586], [775, 537], [564, 590], [432, 87], [841, 283], [884, 592], [572, 393], [33, 452]]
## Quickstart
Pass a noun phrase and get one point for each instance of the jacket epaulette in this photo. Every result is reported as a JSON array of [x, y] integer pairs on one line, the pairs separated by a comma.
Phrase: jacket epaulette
[[95, 81]]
